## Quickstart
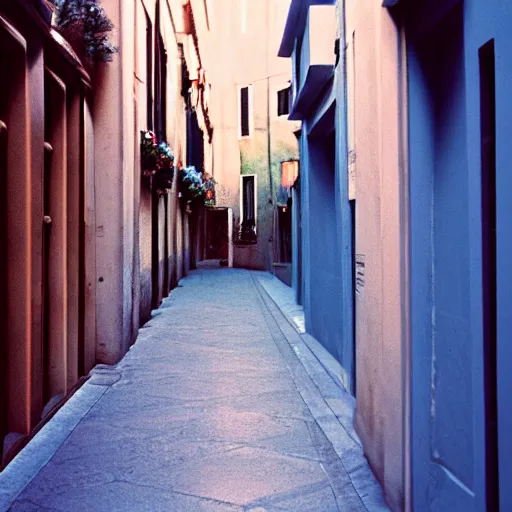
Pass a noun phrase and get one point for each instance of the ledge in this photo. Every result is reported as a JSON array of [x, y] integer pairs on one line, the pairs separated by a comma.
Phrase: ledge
[[317, 78]]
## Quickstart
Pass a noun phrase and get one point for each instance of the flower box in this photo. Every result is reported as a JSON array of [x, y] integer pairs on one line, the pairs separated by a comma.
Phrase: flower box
[[162, 180]]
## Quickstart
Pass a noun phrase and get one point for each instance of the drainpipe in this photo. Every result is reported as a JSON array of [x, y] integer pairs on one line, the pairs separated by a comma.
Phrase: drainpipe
[[269, 149]]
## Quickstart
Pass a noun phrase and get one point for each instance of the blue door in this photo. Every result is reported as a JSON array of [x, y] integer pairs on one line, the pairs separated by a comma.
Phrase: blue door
[[443, 377]]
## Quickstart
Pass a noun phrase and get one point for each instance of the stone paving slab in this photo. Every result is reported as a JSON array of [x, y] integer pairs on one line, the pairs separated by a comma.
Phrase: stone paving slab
[[210, 410]]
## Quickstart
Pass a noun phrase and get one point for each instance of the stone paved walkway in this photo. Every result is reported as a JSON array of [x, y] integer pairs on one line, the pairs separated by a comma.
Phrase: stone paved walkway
[[203, 414]]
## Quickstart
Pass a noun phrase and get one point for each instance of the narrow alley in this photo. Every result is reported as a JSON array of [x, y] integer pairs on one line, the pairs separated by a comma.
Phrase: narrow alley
[[255, 255], [219, 405]]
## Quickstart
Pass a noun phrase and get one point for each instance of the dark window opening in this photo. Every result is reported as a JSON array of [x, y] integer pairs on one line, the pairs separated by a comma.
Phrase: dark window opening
[[298, 63], [161, 88], [149, 72], [352, 204], [248, 227], [284, 222], [244, 112], [489, 284], [185, 76], [283, 102]]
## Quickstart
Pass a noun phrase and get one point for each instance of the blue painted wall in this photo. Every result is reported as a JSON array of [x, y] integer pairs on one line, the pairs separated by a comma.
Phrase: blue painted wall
[[324, 319], [485, 20], [442, 369], [325, 283], [448, 433], [326, 246]]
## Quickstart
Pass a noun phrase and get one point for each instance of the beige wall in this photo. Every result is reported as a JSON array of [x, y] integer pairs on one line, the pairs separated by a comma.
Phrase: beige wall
[[373, 82], [125, 202]]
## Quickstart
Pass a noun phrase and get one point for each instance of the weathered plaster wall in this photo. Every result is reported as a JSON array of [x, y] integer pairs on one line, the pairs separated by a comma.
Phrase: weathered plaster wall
[[449, 447], [374, 42], [109, 203], [484, 21], [131, 220]]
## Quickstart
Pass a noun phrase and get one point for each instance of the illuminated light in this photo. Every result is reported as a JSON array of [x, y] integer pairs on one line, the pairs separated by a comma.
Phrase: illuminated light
[[289, 173]]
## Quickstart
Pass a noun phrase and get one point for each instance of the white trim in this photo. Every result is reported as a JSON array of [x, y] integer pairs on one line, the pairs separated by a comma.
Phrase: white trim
[[250, 109], [230, 237], [255, 176]]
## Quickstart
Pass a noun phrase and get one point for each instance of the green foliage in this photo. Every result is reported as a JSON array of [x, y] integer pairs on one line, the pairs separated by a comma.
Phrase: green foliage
[[87, 22]]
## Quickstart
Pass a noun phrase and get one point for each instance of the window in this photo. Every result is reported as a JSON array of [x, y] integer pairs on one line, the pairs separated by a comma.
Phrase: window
[[149, 72], [283, 101], [160, 103], [245, 111], [248, 208]]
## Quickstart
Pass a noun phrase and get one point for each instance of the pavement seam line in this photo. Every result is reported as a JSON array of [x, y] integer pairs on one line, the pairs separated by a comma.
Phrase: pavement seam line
[[312, 352], [264, 306], [180, 493], [375, 496]]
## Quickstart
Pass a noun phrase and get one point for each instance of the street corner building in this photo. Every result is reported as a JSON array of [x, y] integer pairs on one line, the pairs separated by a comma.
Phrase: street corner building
[[400, 239], [106, 169]]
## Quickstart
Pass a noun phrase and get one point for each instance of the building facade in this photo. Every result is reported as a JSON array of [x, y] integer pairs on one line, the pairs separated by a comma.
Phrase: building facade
[[401, 245], [92, 245], [252, 136]]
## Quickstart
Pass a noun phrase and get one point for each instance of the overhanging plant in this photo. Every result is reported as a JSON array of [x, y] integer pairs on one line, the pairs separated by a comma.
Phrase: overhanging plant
[[86, 25], [148, 152], [209, 194], [157, 160], [163, 177], [192, 186]]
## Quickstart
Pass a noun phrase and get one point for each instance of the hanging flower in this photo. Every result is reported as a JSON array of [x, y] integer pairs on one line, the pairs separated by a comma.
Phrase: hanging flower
[[209, 198], [192, 185], [157, 160], [165, 158], [86, 25], [149, 152]]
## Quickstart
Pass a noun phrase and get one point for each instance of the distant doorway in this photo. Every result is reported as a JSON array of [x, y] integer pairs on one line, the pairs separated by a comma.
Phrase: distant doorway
[[217, 234]]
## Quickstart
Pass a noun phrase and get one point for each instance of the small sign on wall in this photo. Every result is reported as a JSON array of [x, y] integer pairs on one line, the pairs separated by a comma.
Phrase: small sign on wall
[[352, 175], [360, 272]]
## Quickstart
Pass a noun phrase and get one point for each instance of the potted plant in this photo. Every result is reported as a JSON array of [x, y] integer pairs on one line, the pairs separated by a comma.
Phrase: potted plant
[[148, 152], [85, 24], [192, 186], [163, 177]]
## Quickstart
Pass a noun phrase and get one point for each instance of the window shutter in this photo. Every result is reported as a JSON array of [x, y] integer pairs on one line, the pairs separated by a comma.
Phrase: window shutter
[[244, 111], [283, 102]]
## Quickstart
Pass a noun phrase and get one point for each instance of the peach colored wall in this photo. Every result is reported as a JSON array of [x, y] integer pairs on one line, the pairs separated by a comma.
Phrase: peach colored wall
[[125, 203], [378, 174], [26, 85], [109, 178]]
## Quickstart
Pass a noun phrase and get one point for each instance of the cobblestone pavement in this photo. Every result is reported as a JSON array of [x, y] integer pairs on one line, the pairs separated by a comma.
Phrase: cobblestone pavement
[[205, 413]]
